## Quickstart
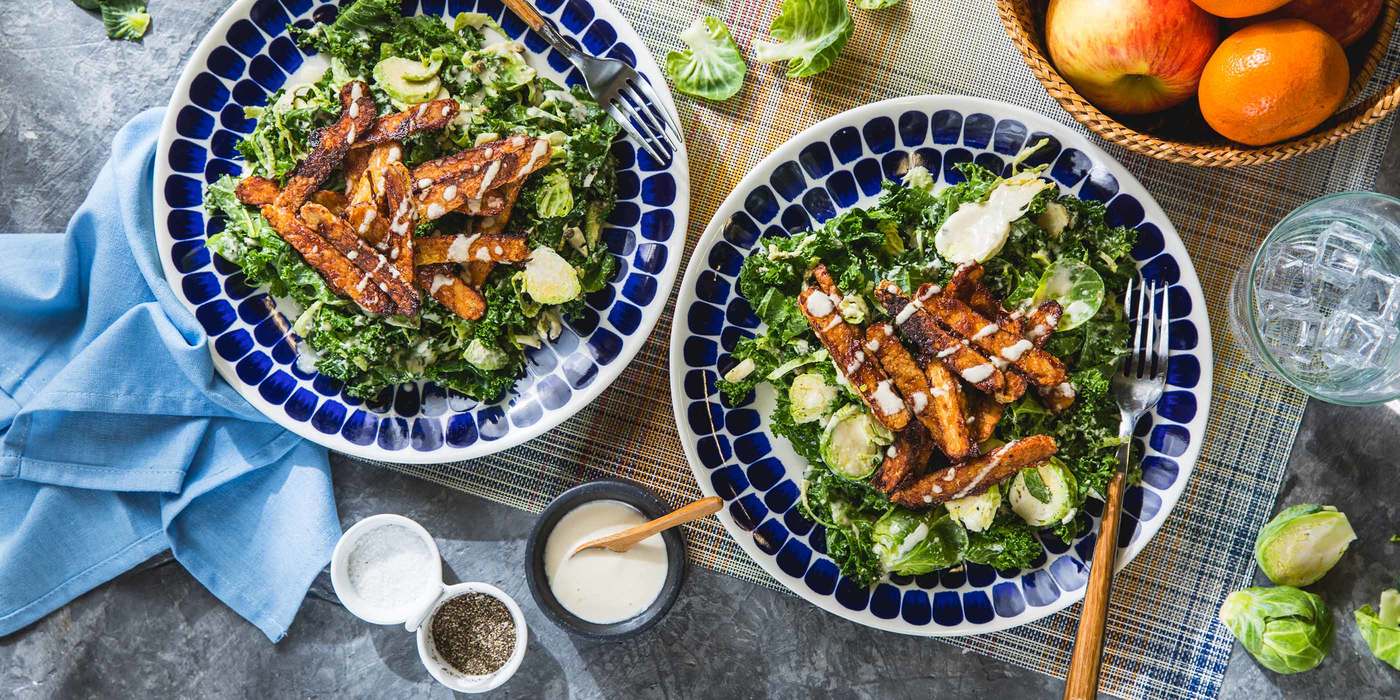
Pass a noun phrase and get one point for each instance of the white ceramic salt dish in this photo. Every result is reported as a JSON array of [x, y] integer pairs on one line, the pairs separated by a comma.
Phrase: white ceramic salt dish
[[416, 613]]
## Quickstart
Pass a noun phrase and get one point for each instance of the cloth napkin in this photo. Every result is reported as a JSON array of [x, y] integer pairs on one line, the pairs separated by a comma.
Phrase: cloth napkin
[[117, 438]]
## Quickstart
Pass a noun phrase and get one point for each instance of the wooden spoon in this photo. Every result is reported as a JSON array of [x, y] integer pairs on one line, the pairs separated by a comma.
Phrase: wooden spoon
[[623, 541]]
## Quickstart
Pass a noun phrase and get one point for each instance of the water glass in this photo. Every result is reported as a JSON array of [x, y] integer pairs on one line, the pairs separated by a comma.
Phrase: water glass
[[1320, 303]]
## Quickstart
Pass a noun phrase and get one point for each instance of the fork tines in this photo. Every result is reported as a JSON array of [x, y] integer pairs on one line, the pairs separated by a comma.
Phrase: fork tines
[[1147, 356], [635, 106]]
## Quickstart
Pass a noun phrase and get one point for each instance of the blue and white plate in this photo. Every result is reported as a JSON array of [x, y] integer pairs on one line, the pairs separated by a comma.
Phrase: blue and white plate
[[249, 54], [839, 164]]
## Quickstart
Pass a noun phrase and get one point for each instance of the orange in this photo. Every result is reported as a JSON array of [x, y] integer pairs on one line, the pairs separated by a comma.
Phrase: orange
[[1272, 81], [1239, 8]]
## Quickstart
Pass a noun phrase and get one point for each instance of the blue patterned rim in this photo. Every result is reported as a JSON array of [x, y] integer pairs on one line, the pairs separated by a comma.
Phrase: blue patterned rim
[[838, 164], [247, 55]]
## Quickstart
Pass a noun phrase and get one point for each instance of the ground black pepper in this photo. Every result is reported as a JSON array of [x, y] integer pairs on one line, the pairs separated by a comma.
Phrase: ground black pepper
[[474, 633]]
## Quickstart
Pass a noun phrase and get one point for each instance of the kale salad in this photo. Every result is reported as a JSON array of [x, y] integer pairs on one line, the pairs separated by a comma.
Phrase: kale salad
[[1032, 248], [466, 63]]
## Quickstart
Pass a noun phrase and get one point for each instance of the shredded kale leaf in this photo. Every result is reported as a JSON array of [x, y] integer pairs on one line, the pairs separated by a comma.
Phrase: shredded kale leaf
[[1008, 544]]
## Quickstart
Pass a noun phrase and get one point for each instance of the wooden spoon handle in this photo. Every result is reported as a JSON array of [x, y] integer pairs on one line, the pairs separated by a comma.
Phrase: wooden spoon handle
[[526, 12], [1083, 680], [622, 541]]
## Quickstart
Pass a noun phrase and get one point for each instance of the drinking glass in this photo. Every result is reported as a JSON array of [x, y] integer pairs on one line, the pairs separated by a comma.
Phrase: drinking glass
[[1320, 303]]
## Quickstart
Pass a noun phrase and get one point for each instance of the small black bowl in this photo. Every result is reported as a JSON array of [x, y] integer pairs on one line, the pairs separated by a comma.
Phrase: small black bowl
[[605, 490]]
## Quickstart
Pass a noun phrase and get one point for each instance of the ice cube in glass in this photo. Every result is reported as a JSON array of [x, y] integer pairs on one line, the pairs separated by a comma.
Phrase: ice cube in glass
[[1285, 281], [1292, 336], [1376, 296], [1357, 341], [1342, 249]]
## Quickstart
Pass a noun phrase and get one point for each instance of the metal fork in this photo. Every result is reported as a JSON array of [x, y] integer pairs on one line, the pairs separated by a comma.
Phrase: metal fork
[[625, 94], [1137, 387]]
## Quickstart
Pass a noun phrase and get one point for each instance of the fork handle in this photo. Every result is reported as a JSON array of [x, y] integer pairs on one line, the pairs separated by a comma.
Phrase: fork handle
[[1083, 680], [536, 21]]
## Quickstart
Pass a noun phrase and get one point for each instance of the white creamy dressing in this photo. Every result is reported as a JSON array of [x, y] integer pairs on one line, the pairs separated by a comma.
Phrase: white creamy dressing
[[856, 362], [600, 585], [985, 331], [978, 373], [486, 179], [978, 230], [819, 304], [1014, 351], [920, 400], [439, 281], [906, 312], [460, 250], [945, 352], [886, 400]]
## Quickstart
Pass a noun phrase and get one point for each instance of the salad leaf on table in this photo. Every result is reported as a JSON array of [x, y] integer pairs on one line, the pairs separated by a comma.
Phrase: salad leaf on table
[[809, 35], [711, 66], [122, 19]]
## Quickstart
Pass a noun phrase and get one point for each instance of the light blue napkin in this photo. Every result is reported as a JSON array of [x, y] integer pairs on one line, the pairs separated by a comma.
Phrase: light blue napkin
[[117, 438]]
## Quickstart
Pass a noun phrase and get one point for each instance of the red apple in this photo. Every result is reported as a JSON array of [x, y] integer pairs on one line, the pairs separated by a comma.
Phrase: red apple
[[1131, 56], [1346, 20]]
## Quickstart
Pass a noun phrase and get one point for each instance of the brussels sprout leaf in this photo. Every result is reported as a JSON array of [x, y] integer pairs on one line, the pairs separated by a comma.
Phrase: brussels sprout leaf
[[711, 67], [1035, 485], [1381, 630], [125, 19], [809, 34]]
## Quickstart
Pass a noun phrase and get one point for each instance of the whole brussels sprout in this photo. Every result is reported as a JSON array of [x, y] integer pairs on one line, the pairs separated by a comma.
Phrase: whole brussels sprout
[[1381, 630], [1285, 629], [1302, 543]]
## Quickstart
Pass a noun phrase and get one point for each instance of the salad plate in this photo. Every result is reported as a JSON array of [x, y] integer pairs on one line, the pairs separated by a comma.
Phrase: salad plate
[[850, 180], [250, 54]]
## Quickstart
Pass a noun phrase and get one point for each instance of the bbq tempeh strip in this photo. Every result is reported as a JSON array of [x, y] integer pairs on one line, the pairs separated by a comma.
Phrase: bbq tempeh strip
[[463, 180], [463, 248], [977, 475], [935, 397], [935, 344], [333, 201], [428, 116], [376, 268], [910, 451], [477, 271], [398, 200], [256, 191], [1042, 368], [496, 223], [339, 272], [442, 283], [329, 145], [846, 346], [1037, 326], [1041, 322], [983, 414]]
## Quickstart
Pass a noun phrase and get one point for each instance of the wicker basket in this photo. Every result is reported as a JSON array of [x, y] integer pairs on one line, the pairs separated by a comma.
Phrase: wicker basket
[[1180, 134]]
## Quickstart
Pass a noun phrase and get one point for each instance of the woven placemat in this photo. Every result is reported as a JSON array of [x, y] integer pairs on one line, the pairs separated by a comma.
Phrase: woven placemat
[[1163, 638]]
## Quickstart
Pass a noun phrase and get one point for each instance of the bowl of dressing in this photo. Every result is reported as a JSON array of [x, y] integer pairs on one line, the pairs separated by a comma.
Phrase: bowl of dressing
[[599, 593]]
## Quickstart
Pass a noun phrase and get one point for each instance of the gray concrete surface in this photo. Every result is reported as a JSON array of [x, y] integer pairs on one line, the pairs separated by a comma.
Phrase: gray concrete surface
[[155, 632]]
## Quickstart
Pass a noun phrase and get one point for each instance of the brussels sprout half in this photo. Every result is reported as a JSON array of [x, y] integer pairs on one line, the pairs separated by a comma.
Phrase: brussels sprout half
[[1302, 543]]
